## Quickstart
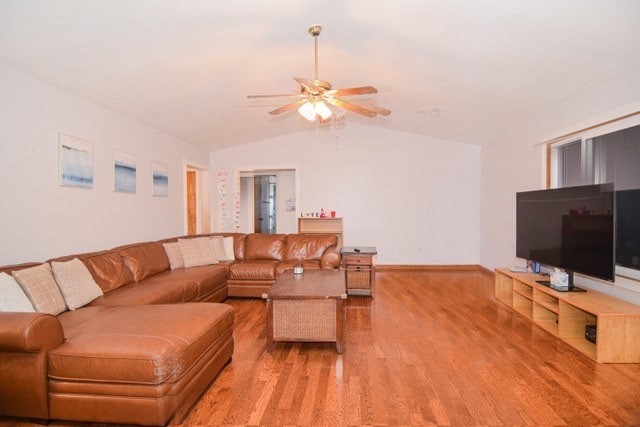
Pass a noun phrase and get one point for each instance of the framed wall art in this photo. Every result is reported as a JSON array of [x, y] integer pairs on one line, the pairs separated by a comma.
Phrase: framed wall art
[[124, 172], [160, 178], [75, 161]]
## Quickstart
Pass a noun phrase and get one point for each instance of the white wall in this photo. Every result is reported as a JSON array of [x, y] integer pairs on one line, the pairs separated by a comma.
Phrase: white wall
[[286, 189], [416, 199], [516, 163], [38, 218]]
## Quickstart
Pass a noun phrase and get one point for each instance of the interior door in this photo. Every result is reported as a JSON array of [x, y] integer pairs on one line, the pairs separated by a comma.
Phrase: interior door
[[265, 203], [191, 203]]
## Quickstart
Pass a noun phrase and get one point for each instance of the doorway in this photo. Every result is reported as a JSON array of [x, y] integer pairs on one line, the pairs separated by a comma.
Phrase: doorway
[[264, 201], [267, 201], [196, 200]]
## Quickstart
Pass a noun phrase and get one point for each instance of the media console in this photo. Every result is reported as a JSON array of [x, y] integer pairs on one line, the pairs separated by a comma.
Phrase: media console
[[570, 315]]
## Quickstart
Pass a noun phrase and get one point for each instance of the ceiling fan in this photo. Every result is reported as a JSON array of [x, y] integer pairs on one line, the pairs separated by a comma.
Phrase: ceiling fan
[[316, 94]]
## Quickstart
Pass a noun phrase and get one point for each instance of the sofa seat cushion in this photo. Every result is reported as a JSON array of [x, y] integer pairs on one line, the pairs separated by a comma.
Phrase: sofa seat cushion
[[137, 345], [145, 293], [198, 282], [253, 270], [288, 265]]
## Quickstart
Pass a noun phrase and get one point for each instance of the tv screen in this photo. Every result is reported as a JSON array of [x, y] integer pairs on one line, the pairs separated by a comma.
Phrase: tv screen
[[628, 228], [570, 228]]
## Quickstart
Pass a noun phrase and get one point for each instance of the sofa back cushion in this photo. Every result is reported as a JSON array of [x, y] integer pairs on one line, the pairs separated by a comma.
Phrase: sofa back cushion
[[41, 288], [197, 251], [108, 270], [12, 296], [76, 283], [264, 246], [145, 259], [15, 267], [172, 250], [238, 246], [308, 246]]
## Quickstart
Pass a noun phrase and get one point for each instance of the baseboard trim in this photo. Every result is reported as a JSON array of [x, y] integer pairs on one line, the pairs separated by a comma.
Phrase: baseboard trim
[[487, 272], [449, 267]]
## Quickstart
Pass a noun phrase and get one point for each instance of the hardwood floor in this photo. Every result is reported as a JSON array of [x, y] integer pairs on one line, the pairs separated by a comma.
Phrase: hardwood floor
[[431, 348]]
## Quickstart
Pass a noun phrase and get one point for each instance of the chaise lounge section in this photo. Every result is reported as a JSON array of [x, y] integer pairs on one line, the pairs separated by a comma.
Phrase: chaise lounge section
[[144, 351]]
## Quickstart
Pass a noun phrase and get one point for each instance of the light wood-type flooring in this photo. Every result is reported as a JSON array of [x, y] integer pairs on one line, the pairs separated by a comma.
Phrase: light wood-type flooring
[[431, 348]]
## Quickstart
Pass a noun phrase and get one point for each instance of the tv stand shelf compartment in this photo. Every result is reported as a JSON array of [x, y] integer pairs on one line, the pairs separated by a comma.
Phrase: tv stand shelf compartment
[[565, 315]]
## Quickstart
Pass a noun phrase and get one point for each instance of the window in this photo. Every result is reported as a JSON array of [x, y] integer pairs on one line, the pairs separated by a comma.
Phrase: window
[[612, 157], [569, 164]]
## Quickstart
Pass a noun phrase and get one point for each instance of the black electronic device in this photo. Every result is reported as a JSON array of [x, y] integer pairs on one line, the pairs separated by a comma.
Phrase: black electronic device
[[571, 228], [590, 332], [356, 250]]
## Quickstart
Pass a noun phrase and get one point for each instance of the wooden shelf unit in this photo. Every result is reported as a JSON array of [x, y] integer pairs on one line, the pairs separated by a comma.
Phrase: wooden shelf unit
[[321, 226], [565, 315]]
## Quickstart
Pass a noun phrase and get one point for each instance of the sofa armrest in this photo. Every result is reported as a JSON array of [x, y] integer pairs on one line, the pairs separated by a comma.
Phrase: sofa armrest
[[331, 258], [29, 332], [25, 341]]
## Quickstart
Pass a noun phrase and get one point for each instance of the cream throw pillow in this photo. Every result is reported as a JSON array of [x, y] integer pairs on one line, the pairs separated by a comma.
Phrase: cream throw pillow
[[217, 242], [173, 253], [228, 248], [12, 297], [75, 282], [197, 251], [40, 286]]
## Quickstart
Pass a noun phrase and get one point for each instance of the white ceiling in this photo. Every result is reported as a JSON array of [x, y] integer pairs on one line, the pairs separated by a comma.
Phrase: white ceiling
[[185, 67]]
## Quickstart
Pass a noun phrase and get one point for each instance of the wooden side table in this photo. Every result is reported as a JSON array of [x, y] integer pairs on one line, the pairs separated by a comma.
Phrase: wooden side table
[[360, 269]]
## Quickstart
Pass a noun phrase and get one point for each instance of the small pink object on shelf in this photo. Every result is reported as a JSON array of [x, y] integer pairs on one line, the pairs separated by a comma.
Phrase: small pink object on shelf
[[333, 214], [322, 213]]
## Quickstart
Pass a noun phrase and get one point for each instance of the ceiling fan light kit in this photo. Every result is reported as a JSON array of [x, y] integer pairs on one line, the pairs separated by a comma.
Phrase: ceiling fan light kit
[[316, 94]]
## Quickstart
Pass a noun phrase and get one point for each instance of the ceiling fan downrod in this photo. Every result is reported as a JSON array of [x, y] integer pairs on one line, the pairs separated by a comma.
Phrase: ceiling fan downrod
[[315, 32]]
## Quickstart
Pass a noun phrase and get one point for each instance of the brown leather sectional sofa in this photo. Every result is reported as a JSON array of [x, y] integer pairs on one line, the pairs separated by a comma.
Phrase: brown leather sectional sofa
[[144, 351]]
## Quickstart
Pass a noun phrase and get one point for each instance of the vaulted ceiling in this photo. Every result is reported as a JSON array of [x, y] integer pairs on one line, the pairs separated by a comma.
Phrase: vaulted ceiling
[[186, 67]]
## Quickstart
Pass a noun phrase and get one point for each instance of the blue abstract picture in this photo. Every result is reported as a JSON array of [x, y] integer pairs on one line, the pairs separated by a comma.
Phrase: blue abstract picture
[[124, 172], [75, 162], [160, 176]]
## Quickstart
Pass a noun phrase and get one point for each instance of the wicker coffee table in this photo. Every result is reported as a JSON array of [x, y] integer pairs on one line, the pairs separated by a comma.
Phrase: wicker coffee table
[[307, 307]]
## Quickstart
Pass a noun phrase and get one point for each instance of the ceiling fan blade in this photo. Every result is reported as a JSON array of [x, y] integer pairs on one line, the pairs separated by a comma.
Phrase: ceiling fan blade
[[307, 84], [288, 107], [351, 107], [275, 96], [363, 90], [379, 110]]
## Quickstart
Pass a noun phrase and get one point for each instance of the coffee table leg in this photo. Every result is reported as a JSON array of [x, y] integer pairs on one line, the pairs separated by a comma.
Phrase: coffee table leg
[[270, 344], [340, 323]]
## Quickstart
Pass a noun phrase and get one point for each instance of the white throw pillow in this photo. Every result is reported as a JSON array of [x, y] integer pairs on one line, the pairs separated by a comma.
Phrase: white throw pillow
[[173, 253], [217, 242], [40, 286], [197, 251], [228, 248], [75, 282], [12, 297]]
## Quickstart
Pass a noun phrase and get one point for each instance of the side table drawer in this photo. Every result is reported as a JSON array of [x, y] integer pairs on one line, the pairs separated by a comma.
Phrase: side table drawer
[[358, 259], [358, 278]]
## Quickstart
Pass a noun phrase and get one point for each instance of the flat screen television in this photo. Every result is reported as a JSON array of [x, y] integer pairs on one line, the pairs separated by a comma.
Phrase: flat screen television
[[628, 228], [571, 228]]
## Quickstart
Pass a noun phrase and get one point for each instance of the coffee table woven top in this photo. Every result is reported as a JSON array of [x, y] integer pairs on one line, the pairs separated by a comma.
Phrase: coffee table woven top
[[312, 284]]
